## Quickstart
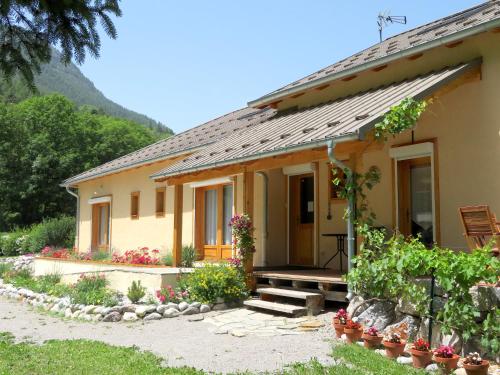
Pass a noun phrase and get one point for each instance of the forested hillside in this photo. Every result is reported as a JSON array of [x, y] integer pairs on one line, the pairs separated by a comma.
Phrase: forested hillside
[[69, 81], [46, 139]]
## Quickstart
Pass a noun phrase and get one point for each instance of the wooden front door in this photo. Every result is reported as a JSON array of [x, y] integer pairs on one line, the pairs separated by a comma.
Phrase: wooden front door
[[100, 226], [214, 209], [415, 199], [301, 220]]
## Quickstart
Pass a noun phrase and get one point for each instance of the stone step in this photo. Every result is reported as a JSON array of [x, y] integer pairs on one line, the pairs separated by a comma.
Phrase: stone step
[[278, 307], [289, 293]]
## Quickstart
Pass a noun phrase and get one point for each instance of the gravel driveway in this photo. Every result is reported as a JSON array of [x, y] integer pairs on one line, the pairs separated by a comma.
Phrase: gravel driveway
[[179, 341]]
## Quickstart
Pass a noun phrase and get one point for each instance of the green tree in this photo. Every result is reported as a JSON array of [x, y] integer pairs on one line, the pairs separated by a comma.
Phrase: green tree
[[28, 29], [46, 139]]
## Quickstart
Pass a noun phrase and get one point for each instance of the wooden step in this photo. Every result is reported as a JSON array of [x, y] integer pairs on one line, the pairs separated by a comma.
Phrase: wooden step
[[290, 293], [330, 295], [274, 306]]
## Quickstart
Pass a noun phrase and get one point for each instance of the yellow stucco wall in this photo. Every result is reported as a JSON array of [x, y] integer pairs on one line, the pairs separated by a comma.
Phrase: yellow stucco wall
[[126, 233]]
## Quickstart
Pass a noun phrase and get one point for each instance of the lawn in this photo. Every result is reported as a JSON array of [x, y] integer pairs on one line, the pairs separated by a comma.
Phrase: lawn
[[92, 357]]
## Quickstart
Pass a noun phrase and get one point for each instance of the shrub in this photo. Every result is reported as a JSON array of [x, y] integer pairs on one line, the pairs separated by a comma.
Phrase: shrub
[[100, 255], [136, 291], [169, 294], [189, 256], [58, 233], [14, 243], [212, 281], [141, 255], [92, 290], [55, 253], [5, 268], [168, 260]]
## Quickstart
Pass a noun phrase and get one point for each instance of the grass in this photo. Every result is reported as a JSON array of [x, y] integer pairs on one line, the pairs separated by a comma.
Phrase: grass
[[92, 357]]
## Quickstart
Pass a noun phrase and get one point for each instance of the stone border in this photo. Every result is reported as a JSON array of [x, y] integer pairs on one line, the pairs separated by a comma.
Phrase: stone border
[[126, 312]]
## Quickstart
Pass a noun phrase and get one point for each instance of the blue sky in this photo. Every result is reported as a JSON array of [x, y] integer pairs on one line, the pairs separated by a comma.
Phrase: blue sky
[[186, 62]]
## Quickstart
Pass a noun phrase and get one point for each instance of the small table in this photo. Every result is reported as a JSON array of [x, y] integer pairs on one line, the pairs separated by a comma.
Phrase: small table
[[340, 247]]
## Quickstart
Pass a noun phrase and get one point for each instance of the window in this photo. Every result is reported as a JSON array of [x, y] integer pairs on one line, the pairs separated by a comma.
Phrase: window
[[214, 210], [134, 205], [333, 173], [160, 202]]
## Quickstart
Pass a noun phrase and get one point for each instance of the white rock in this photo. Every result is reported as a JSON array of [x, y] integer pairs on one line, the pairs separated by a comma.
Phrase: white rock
[[150, 309], [204, 308], [195, 304], [432, 367], [89, 309], [153, 316], [140, 311], [130, 317], [170, 313], [404, 360], [191, 311], [160, 309], [68, 313], [173, 305], [99, 310], [183, 306]]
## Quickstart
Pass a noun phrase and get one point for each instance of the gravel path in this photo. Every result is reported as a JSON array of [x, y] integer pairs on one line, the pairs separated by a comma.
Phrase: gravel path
[[179, 341]]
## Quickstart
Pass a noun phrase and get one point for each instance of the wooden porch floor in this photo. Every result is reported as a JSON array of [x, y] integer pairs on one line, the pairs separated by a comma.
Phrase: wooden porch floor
[[310, 275]]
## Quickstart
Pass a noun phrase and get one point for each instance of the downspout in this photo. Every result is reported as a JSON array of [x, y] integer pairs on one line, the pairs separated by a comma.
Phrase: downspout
[[265, 216], [351, 208], [77, 232]]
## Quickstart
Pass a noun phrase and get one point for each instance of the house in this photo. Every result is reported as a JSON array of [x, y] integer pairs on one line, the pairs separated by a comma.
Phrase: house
[[273, 159]]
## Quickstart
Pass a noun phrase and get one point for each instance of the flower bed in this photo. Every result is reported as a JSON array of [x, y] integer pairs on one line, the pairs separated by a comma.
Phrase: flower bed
[[90, 299]]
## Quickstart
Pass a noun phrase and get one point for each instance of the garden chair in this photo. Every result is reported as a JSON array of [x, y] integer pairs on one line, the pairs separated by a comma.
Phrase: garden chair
[[480, 227]]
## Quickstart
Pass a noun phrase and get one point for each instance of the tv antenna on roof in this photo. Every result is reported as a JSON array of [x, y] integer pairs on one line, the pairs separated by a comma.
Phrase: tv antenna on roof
[[384, 19]]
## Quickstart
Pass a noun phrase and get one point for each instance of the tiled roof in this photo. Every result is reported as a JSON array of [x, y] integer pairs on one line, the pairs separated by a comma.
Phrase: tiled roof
[[184, 142], [310, 127], [419, 36]]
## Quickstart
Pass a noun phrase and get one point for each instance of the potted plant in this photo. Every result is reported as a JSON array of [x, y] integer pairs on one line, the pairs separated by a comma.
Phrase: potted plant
[[446, 358], [394, 345], [421, 353], [339, 322], [475, 365], [353, 330], [371, 338]]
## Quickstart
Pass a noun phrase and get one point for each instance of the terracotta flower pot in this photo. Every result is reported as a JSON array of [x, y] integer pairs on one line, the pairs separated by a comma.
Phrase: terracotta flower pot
[[371, 342], [420, 358], [339, 328], [394, 350], [353, 335], [447, 365], [481, 369]]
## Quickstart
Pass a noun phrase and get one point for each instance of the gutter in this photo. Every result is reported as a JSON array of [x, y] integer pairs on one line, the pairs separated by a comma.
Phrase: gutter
[[383, 60], [77, 231], [351, 207], [265, 215], [300, 147]]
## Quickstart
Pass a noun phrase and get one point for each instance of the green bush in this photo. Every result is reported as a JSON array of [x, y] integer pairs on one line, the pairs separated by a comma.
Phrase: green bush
[[5, 268], [167, 260], [189, 255], [92, 290], [212, 281], [136, 291], [58, 233], [14, 243], [100, 255], [389, 270]]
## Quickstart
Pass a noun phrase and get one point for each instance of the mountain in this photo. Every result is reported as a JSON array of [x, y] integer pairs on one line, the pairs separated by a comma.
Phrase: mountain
[[70, 81]]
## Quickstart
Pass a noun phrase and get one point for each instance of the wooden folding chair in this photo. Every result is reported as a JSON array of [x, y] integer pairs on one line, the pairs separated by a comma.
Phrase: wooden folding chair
[[480, 226]]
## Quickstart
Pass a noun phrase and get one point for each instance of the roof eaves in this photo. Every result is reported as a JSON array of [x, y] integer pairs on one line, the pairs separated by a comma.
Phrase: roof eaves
[[303, 146], [73, 181], [266, 99]]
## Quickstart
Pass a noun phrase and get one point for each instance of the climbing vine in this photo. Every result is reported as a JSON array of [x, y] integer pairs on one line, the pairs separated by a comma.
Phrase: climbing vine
[[400, 117], [401, 269]]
